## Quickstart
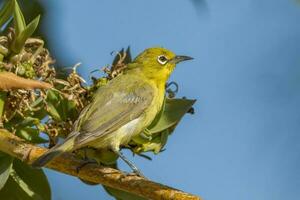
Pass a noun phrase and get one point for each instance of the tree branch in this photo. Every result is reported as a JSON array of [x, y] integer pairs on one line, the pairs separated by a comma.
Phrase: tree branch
[[68, 164], [9, 80]]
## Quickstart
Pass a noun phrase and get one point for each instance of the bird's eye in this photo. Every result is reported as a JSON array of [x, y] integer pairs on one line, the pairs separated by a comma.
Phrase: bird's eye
[[162, 59]]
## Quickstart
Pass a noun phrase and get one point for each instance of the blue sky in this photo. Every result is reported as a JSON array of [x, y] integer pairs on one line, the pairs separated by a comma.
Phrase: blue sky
[[243, 141]]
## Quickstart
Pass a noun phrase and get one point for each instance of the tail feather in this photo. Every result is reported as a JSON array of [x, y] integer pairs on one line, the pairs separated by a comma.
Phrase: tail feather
[[54, 152], [44, 159]]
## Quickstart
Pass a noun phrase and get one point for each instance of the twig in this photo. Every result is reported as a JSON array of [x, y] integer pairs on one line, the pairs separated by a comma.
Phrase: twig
[[10, 80], [68, 164]]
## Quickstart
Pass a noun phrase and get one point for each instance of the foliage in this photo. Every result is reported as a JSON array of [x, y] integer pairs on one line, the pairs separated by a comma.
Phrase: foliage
[[5, 168], [42, 116], [26, 183]]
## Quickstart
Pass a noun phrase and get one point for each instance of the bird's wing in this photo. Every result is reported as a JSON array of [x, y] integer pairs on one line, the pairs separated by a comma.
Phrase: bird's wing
[[112, 107]]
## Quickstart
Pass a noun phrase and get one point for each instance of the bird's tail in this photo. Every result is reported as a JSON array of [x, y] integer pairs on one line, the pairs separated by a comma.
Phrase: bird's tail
[[54, 152]]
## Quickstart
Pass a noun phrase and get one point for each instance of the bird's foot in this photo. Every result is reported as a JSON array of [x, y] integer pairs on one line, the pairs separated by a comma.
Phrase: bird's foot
[[83, 164], [135, 173]]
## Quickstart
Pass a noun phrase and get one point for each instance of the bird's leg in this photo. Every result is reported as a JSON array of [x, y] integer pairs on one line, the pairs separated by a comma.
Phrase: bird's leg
[[129, 163], [85, 162]]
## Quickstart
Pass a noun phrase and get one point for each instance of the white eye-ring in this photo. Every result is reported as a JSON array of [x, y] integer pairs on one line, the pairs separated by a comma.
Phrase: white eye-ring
[[162, 59]]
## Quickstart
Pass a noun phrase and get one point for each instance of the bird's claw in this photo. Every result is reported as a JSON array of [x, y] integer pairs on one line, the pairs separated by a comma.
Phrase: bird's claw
[[139, 173], [134, 173], [78, 168]]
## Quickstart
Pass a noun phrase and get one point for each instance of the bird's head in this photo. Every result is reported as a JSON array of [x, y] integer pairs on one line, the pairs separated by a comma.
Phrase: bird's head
[[157, 63]]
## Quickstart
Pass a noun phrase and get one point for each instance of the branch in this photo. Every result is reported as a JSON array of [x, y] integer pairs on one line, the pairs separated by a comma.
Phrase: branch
[[10, 80], [68, 164]]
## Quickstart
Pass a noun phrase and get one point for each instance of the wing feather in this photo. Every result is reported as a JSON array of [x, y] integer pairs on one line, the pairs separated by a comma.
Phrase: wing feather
[[113, 108]]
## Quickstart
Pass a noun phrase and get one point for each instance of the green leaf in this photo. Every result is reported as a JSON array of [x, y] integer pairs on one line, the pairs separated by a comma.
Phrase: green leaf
[[12, 191], [6, 12], [28, 129], [52, 96], [36, 109], [19, 21], [37, 102], [162, 126], [30, 134], [174, 110], [53, 112], [60, 108], [19, 42], [5, 167], [26, 183], [52, 102], [163, 140], [28, 121], [69, 109], [39, 114], [3, 96], [155, 144]]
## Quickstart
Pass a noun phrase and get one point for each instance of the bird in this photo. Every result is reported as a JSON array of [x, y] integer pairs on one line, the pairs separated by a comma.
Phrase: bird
[[123, 108]]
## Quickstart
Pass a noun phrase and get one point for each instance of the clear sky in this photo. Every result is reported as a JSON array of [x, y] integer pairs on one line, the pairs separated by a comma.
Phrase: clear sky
[[244, 140]]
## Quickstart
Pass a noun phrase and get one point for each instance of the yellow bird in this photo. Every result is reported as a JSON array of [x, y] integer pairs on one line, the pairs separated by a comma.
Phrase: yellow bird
[[123, 108]]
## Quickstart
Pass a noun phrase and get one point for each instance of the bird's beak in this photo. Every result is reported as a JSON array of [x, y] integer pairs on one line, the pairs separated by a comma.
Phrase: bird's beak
[[178, 59]]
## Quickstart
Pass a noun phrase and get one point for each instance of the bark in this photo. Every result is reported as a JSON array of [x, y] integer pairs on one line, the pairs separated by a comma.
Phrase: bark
[[9, 80]]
